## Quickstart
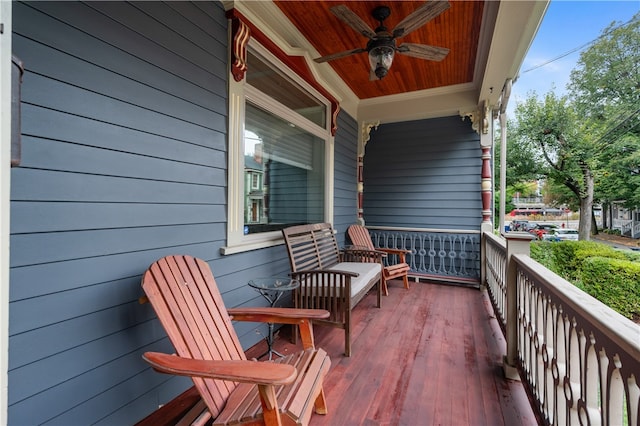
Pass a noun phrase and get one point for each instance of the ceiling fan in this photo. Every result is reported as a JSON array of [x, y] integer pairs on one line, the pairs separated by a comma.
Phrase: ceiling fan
[[381, 46]]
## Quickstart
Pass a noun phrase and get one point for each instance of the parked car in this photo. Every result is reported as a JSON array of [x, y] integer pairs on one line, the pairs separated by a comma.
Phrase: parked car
[[561, 235], [542, 228], [519, 225]]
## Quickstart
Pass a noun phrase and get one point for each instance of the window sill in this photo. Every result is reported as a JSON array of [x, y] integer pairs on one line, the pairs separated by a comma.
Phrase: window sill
[[243, 247]]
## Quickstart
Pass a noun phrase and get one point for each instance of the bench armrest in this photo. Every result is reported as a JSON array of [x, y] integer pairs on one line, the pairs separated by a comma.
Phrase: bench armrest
[[236, 371]]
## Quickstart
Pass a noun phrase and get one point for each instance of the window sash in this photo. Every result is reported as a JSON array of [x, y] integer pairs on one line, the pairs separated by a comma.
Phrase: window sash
[[239, 94]]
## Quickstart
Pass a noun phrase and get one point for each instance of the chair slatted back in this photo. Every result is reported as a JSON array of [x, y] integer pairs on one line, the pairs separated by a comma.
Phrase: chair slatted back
[[359, 236], [184, 295], [311, 246]]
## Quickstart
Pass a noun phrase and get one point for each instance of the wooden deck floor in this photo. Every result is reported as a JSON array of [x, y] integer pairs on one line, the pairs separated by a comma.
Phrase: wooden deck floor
[[430, 356]]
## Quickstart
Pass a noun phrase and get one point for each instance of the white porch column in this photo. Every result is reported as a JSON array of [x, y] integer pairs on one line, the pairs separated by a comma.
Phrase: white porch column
[[517, 243], [506, 92]]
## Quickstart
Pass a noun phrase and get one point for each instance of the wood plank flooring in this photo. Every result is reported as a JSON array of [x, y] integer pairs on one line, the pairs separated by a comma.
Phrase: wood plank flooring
[[432, 355]]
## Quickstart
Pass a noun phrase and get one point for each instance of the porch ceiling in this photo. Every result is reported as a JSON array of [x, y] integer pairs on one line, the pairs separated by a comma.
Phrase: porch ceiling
[[487, 40]]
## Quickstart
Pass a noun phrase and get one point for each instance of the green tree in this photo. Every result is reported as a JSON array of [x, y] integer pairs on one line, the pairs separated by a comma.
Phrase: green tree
[[587, 143], [605, 88], [550, 130]]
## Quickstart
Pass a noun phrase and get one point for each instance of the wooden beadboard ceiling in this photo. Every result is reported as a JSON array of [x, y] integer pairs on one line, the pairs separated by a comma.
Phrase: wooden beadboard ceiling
[[457, 28]]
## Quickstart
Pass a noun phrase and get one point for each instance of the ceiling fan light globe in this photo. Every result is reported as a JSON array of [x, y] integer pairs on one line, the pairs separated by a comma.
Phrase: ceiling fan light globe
[[380, 59]]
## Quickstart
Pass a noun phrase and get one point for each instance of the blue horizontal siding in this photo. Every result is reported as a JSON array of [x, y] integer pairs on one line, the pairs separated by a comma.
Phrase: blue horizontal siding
[[345, 175], [124, 160], [423, 174]]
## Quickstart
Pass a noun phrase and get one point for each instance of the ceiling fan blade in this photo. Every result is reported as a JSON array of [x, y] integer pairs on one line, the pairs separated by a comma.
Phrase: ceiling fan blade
[[354, 21], [339, 55], [419, 17], [423, 51]]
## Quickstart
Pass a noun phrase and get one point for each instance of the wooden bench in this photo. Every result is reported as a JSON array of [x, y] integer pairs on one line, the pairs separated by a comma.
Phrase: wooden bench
[[330, 278]]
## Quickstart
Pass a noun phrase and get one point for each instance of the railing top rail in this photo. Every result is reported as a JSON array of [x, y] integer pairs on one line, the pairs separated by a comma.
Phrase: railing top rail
[[620, 330], [433, 230], [497, 240]]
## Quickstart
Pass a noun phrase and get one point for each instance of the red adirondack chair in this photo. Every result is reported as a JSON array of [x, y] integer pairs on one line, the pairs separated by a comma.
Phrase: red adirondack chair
[[234, 390], [359, 236]]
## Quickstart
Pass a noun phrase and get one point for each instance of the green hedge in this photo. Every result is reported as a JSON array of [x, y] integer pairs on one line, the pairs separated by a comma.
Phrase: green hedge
[[614, 282], [611, 276]]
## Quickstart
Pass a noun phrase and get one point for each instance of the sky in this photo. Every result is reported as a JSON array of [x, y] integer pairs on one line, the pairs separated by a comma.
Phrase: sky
[[567, 25]]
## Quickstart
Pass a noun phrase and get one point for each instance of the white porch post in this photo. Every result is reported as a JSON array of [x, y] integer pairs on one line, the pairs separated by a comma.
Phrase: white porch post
[[517, 243], [506, 92]]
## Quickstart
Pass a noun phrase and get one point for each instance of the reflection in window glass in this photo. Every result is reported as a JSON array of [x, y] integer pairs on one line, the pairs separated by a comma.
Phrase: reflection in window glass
[[287, 163]]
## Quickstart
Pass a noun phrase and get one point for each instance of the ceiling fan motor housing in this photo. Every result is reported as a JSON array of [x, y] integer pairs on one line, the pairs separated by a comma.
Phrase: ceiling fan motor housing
[[381, 13]]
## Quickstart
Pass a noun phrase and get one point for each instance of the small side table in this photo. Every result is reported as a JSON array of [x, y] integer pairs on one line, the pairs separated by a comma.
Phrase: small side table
[[272, 289]]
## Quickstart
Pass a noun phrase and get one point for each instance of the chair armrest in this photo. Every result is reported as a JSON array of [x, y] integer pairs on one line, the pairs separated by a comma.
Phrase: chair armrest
[[277, 315], [236, 371], [394, 251], [401, 253], [303, 318]]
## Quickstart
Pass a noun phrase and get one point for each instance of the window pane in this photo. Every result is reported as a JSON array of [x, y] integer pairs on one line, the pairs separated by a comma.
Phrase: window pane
[[288, 164], [274, 84]]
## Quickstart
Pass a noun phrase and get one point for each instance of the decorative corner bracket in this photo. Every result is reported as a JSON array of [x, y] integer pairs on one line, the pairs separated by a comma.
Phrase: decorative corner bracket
[[365, 135], [335, 110], [479, 119], [240, 34], [366, 131]]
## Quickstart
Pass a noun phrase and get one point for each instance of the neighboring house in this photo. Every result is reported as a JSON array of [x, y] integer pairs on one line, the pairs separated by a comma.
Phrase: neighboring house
[[626, 220], [132, 120], [255, 192]]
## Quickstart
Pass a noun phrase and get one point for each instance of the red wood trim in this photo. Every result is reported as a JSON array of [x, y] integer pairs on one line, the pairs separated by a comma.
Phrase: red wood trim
[[240, 34], [296, 63]]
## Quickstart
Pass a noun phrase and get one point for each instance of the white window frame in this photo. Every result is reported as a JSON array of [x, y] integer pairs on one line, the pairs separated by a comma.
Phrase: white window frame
[[239, 93]]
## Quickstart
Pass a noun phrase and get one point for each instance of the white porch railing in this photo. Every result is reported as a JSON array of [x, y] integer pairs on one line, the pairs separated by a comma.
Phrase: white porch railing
[[496, 272], [624, 225], [579, 359]]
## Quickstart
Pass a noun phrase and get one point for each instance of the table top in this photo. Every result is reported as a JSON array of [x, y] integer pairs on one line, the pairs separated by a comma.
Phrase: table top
[[274, 283]]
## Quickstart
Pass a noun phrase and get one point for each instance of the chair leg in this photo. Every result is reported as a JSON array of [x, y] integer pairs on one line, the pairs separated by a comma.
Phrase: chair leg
[[405, 280], [269, 402], [385, 290], [320, 403], [347, 337]]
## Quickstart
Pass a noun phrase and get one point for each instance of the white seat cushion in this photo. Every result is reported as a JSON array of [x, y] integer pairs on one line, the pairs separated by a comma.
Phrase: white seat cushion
[[366, 272]]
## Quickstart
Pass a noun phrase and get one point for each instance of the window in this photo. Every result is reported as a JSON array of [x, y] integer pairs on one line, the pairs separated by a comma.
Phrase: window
[[279, 152]]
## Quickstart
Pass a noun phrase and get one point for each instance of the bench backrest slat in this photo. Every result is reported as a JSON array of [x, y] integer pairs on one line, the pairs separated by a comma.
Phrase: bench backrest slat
[[311, 246]]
